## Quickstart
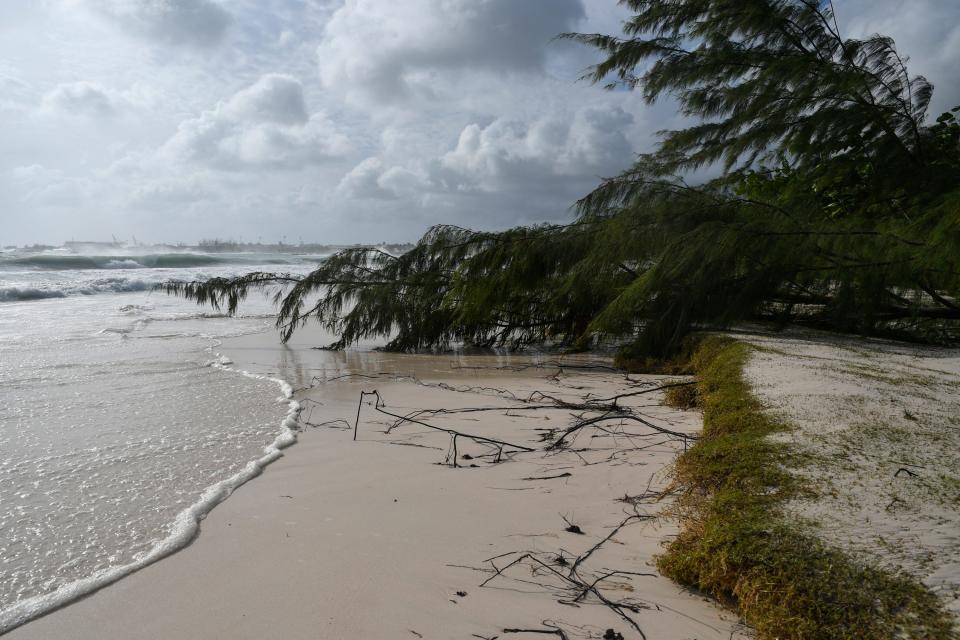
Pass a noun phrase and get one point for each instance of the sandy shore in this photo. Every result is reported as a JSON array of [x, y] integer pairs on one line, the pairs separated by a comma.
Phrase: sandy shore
[[382, 538], [880, 422]]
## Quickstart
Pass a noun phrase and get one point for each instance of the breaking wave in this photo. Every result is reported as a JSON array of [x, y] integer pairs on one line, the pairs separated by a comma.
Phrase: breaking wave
[[72, 262], [62, 290]]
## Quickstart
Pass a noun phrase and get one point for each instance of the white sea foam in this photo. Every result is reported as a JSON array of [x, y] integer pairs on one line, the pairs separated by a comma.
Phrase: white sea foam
[[185, 526], [135, 308], [122, 264], [103, 459]]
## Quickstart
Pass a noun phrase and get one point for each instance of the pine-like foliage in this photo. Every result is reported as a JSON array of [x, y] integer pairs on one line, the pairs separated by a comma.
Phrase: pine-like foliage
[[766, 75], [839, 206], [513, 288]]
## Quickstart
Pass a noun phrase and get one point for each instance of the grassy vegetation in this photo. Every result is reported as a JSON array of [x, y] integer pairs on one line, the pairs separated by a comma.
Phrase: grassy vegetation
[[682, 397], [737, 545]]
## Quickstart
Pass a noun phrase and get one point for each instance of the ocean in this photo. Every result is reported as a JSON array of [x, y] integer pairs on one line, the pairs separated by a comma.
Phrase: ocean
[[121, 425]]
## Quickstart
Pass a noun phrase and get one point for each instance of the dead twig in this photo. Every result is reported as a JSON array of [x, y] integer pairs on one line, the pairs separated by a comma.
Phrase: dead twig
[[553, 631], [499, 445], [580, 559], [559, 475], [578, 586]]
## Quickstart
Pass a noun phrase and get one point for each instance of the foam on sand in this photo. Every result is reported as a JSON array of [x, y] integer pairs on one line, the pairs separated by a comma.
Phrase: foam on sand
[[184, 529]]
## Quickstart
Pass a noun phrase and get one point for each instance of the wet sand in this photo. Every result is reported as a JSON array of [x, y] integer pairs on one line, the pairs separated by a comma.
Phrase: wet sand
[[383, 538]]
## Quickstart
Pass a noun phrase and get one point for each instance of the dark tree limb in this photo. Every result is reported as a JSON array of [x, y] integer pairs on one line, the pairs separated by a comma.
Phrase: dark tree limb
[[555, 631], [499, 445]]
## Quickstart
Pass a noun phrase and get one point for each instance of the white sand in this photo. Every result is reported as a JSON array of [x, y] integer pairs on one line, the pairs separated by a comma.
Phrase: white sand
[[371, 539], [882, 421]]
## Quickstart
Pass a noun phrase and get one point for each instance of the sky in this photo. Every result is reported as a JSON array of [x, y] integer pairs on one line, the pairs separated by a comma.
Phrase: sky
[[332, 121]]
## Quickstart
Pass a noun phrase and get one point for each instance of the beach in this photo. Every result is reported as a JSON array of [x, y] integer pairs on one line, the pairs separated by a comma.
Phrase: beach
[[461, 494], [877, 423], [582, 319], [383, 538]]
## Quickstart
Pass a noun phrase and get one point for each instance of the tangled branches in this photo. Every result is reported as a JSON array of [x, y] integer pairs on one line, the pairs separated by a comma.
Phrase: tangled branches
[[568, 582], [608, 408]]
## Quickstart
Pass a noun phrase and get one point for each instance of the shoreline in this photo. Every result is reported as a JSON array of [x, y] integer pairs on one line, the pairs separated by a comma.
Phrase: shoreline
[[309, 547], [428, 488], [184, 528]]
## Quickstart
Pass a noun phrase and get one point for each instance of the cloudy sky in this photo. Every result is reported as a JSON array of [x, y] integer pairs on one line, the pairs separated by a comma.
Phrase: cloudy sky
[[330, 120]]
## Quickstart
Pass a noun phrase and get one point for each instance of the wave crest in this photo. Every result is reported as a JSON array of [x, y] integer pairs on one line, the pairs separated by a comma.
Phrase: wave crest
[[151, 261], [89, 288]]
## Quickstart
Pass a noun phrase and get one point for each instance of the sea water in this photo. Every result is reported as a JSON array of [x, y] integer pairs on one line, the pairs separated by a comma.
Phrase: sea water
[[120, 424]]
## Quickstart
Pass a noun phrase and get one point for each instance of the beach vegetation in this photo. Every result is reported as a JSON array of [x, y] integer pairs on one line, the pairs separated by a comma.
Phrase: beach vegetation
[[737, 544], [683, 397]]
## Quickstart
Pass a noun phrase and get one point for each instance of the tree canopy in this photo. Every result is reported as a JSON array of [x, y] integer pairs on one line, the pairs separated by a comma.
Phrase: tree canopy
[[838, 205]]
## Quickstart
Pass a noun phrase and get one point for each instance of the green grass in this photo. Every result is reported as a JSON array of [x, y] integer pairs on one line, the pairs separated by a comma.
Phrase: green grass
[[736, 544]]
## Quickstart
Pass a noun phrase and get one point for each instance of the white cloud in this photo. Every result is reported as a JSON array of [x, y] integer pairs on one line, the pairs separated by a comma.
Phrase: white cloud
[[400, 180], [506, 172], [194, 23], [172, 191], [363, 181], [276, 98], [81, 99], [371, 179], [509, 154], [50, 187], [388, 50], [286, 38], [406, 112], [265, 125], [29, 172]]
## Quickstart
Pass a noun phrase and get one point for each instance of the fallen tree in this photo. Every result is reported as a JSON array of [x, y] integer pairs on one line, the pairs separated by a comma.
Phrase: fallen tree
[[838, 206]]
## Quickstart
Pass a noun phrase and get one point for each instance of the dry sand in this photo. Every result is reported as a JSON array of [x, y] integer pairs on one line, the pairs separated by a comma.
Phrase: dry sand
[[379, 538], [882, 422]]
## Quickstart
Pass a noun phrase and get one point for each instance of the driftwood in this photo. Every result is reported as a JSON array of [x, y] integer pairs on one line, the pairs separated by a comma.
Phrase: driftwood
[[551, 631], [561, 442], [609, 410], [336, 423], [576, 587], [559, 475], [501, 446], [563, 575], [550, 364]]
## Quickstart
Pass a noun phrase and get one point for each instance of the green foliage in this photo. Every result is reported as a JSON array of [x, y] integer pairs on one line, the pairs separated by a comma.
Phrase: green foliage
[[530, 284], [736, 544], [766, 75], [839, 207]]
